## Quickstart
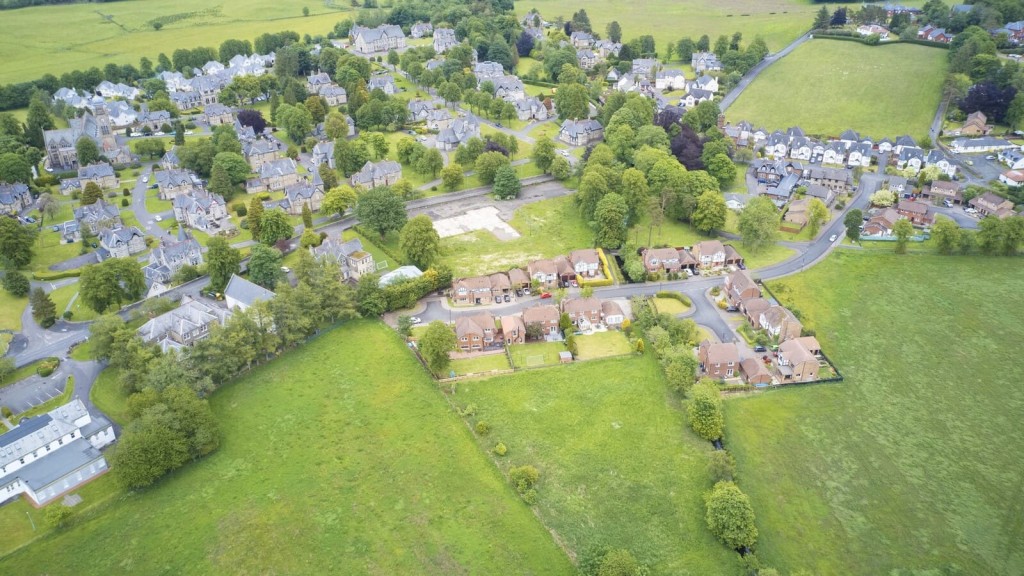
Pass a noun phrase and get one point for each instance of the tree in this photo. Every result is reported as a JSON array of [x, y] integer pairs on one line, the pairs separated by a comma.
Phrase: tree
[[821, 19], [327, 175], [111, 283], [381, 210], [487, 165], [506, 183], [452, 176], [903, 230], [14, 168], [335, 125], [307, 216], [817, 214], [435, 344], [544, 153], [16, 284], [705, 411], [87, 151], [222, 261], [150, 446], [730, 516], [420, 241], [721, 168], [91, 194], [853, 221], [560, 168], [572, 101], [711, 212], [759, 223], [220, 182], [274, 226], [38, 120], [838, 17], [233, 164], [614, 31], [59, 515], [370, 299], [16, 243], [947, 235], [254, 216], [44, 312], [430, 162], [338, 200], [265, 266], [1015, 112], [610, 218]]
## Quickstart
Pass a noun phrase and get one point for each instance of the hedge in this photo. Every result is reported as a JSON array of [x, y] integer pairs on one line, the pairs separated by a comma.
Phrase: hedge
[[48, 276], [863, 40], [595, 282], [674, 296]]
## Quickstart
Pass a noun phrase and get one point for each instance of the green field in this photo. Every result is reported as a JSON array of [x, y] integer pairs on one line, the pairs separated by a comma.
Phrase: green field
[[331, 462], [619, 468], [479, 364], [779, 22], [602, 344], [62, 297], [669, 306], [34, 42], [880, 91], [912, 465], [535, 354], [11, 308]]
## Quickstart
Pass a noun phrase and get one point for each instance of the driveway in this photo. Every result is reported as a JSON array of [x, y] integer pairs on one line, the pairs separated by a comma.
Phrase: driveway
[[147, 220]]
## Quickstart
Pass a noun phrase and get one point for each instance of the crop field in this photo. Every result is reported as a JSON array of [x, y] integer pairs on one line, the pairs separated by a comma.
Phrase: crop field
[[879, 91], [779, 22], [331, 462], [618, 466], [58, 39], [912, 464]]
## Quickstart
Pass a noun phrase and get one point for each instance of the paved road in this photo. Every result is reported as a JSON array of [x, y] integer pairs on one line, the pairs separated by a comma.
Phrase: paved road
[[756, 70], [35, 389], [145, 218]]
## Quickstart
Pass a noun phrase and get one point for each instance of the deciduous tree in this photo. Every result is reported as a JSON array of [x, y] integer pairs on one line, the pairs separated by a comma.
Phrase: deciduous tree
[[381, 210], [506, 183], [710, 213], [730, 516], [221, 262], [610, 219], [759, 223], [705, 411], [817, 214], [903, 229], [420, 241], [436, 343], [853, 221], [16, 242], [111, 283], [274, 226], [265, 266]]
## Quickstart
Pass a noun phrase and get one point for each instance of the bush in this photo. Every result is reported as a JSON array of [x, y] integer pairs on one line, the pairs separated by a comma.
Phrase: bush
[[68, 314], [483, 428], [126, 192], [47, 366], [58, 515], [244, 224], [16, 283], [241, 210], [721, 465], [500, 449], [523, 478], [530, 497], [730, 516], [124, 202], [715, 290], [6, 412]]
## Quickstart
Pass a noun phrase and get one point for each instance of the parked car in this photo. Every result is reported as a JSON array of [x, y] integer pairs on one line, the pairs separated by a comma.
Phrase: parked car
[[732, 309], [415, 320], [546, 295], [760, 349], [145, 179], [832, 238], [55, 228], [990, 157], [498, 124], [30, 219], [947, 203], [519, 293], [564, 153], [526, 290], [158, 218], [285, 269], [508, 297]]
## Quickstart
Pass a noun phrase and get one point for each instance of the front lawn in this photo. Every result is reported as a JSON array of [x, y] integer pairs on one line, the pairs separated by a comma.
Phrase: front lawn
[[342, 457], [669, 306], [602, 344], [535, 354], [108, 395], [919, 448], [618, 466]]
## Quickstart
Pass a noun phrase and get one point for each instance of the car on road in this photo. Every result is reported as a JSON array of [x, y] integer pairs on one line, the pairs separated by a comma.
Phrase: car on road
[[158, 133], [832, 238], [411, 132], [145, 179], [421, 138], [564, 153], [158, 218], [285, 269], [990, 157], [760, 349], [969, 162], [188, 132], [415, 320], [546, 295], [55, 228], [498, 125]]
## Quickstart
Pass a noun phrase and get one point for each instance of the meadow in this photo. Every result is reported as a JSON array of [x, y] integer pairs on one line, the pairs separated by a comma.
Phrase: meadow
[[879, 91], [619, 468], [912, 464], [331, 461], [34, 40]]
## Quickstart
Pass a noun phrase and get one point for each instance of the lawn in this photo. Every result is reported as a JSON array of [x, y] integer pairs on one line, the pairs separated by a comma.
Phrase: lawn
[[479, 364], [602, 344], [619, 468], [108, 396], [331, 461], [837, 85], [129, 33], [11, 308], [779, 22], [669, 306], [548, 228], [62, 297], [913, 463], [535, 354], [770, 255]]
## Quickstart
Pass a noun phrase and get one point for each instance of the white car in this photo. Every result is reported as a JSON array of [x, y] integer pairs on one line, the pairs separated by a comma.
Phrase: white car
[[188, 132], [564, 153], [832, 238], [158, 133], [158, 218], [415, 320], [145, 179]]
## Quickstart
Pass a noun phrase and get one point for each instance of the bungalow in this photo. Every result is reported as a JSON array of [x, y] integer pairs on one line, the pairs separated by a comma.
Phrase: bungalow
[[754, 372], [586, 262], [241, 294], [780, 323], [584, 312], [581, 132], [218, 114], [873, 30], [661, 259], [472, 291], [978, 145], [183, 326], [946, 191], [513, 331], [933, 34], [400, 274], [612, 313], [383, 173], [719, 360], [352, 259], [477, 332], [544, 315], [1012, 178], [796, 362], [989, 204], [882, 223], [916, 212], [120, 243], [740, 286], [380, 39]]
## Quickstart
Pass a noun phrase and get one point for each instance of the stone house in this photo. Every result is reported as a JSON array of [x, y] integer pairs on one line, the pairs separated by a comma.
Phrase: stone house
[[120, 242], [383, 173]]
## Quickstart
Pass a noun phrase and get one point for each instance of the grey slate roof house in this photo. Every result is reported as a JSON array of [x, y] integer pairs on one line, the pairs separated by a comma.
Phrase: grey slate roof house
[[242, 294], [168, 258], [581, 132], [14, 197], [384, 173], [98, 216]]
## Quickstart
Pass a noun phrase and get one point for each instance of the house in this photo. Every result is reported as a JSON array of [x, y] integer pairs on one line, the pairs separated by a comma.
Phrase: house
[[334, 95], [100, 173], [585, 313], [501, 286], [513, 331], [544, 315], [754, 372], [782, 191], [752, 309], [509, 88], [472, 291], [543, 271], [487, 70], [882, 223], [910, 159], [586, 262], [183, 326], [938, 160], [581, 132], [916, 212], [873, 30], [1012, 157], [241, 294], [278, 174], [946, 191], [1012, 178], [661, 259], [838, 180], [740, 286], [380, 39], [770, 172], [323, 153], [608, 48], [989, 204], [172, 183], [705, 62], [696, 96], [120, 242], [14, 198], [612, 313], [353, 260], [826, 195], [186, 100], [383, 82], [709, 254], [121, 114], [59, 145], [258, 152], [531, 108], [977, 145], [108, 89], [458, 132], [796, 363], [317, 82], [933, 34], [302, 193], [586, 58], [170, 256], [706, 82], [444, 40], [217, 114], [477, 332], [860, 155], [669, 79], [201, 210], [519, 279], [420, 110], [581, 39], [98, 216], [780, 323], [383, 173], [975, 125], [421, 29], [400, 274], [719, 360], [46, 456]]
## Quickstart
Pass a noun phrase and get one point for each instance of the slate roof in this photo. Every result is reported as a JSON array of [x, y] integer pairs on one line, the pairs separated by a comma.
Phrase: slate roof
[[246, 292]]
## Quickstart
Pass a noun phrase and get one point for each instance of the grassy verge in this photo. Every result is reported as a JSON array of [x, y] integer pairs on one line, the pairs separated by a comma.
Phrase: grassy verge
[[109, 397], [669, 306]]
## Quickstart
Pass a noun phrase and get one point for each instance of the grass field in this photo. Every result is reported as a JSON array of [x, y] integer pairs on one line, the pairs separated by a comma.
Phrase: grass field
[[480, 364], [547, 228], [108, 396], [129, 34], [527, 355], [602, 344], [618, 466], [839, 85], [11, 308], [62, 297], [779, 22], [331, 461], [912, 465]]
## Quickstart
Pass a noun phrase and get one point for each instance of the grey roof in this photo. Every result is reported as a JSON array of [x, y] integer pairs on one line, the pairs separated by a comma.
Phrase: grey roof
[[246, 292], [13, 193], [175, 178], [374, 34], [383, 82], [400, 273], [100, 210], [27, 426], [113, 236], [98, 170], [581, 127], [56, 465], [371, 171], [279, 167]]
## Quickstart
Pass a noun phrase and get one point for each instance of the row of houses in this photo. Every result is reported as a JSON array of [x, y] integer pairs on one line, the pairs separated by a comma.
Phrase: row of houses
[[706, 255], [546, 272], [780, 179], [483, 331]]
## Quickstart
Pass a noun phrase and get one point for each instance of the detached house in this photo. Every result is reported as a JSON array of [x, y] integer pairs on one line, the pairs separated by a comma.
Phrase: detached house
[[444, 40], [612, 313], [584, 312], [353, 260], [543, 271], [384, 83], [709, 254], [719, 360], [201, 210], [705, 62], [172, 183], [661, 259], [581, 132], [477, 332], [513, 330], [586, 262], [544, 315], [168, 257], [14, 198], [472, 291], [421, 29], [669, 79], [882, 223], [278, 174], [96, 217], [916, 212], [183, 326], [942, 190], [780, 323], [740, 286], [101, 173], [218, 115], [989, 204], [975, 125], [120, 243], [259, 152], [384, 173], [458, 132], [797, 363]]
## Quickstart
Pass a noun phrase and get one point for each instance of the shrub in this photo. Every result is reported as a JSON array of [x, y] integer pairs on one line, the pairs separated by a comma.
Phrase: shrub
[[241, 210], [68, 314], [483, 428], [722, 304], [524, 478], [433, 188], [730, 516], [500, 449], [721, 465], [715, 290], [469, 410], [16, 283], [126, 192], [58, 515], [530, 496], [47, 367], [6, 412], [244, 224], [124, 202]]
